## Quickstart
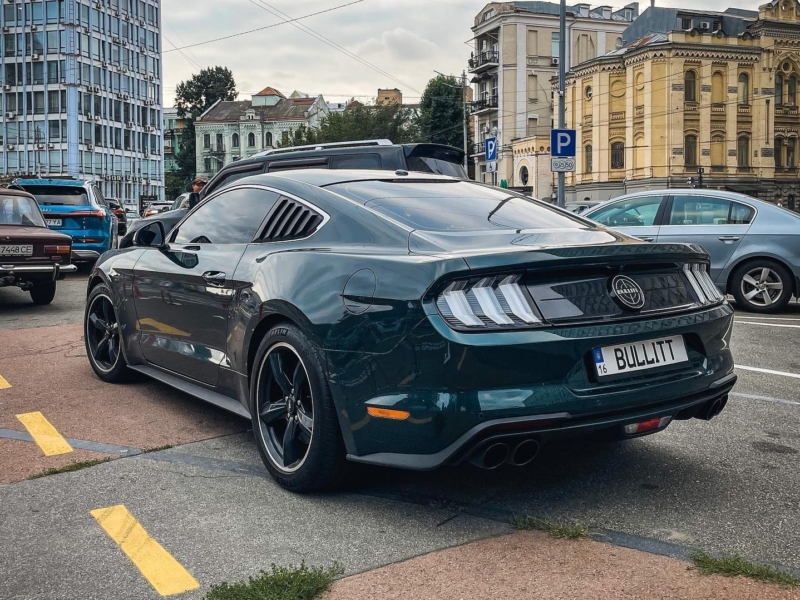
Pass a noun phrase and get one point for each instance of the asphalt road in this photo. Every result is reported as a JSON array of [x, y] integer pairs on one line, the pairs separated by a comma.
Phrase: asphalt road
[[731, 485]]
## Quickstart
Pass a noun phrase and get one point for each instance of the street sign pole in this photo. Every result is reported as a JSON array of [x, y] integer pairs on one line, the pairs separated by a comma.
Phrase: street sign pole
[[562, 55]]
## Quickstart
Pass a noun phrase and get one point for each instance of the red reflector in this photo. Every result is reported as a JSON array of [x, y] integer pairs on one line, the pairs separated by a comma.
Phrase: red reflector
[[649, 425]]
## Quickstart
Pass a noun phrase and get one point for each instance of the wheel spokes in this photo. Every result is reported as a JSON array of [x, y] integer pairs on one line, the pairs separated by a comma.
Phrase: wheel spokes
[[278, 372], [291, 445], [98, 323], [113, 350], [298, 379], [765, 273], [101, 349], [107, 315], [775, 286], [749, 279], [306, 424], [767, 298], [752, 294], [272, 412]]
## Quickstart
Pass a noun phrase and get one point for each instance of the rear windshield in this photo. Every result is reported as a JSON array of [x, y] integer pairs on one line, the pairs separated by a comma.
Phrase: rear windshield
[[454, 206], [19, 210], [426, 164], [47, 195]]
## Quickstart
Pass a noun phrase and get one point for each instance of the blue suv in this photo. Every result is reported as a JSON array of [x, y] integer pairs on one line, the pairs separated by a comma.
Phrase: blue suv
[[78, 209]]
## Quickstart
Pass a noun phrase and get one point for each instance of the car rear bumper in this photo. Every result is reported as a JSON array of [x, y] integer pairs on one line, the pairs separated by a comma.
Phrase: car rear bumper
[[53, 271], [85, 255], [549, 427]]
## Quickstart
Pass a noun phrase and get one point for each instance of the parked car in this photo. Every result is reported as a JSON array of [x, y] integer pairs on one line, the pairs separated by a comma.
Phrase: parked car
[[368, 154], [131, 214], [580, 207], [119, 212], [181, 201], [32, 257], [412, 321], [156, 208], [754, 245], [78, 209]]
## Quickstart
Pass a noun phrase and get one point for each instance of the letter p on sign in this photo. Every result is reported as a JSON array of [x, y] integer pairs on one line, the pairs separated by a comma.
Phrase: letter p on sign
[[562, 143]]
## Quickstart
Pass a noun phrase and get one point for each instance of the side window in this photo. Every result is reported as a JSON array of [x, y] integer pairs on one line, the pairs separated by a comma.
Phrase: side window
[[356, 161], [231, 218], [741, 214], [699, 210], [637, 212], [100, 199]]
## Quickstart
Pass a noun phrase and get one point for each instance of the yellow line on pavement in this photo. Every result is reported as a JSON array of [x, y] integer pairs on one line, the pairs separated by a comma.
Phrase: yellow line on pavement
[[4, 385], [50, 441], [157, 565]]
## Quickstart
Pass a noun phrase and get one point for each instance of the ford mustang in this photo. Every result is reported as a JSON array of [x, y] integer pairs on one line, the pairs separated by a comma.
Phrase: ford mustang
[[410, 320]]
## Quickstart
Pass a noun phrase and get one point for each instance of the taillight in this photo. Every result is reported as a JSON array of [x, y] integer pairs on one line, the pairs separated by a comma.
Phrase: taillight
[[703, 285], [120, 213], [487, 303], [99, 214], [56, 249]]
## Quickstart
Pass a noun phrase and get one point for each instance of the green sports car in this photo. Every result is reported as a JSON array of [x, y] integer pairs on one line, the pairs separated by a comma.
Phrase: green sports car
[[410, 320]]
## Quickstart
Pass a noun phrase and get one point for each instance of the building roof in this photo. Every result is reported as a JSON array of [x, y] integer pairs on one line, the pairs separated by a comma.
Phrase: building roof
[[292, 109], [657, 19], [270, 91], [551, 8]]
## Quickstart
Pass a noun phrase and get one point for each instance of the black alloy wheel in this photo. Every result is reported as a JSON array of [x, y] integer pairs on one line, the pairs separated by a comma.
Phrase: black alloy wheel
[[102, 336], [294, 418], [286, 408]]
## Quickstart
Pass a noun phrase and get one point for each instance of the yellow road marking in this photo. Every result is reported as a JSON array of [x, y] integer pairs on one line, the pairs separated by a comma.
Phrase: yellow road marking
[[50, 441], [4, 385], [157, 565]]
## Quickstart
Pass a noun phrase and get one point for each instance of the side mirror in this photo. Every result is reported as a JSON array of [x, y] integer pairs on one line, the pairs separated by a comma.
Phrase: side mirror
[[151, 236], [114, 205]]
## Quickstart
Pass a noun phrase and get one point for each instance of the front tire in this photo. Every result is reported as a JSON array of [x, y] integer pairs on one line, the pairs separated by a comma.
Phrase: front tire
[[294, 419], [43, 293], [762, 286], [103, 338]]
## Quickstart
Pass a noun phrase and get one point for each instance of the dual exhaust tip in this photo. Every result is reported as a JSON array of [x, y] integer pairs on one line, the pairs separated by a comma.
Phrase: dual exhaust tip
[[712, 409], [495, 455]]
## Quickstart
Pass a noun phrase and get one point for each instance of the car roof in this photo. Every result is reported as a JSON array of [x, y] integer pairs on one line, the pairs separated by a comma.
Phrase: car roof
[[724, 194], [13, 192], [325, 177], [53, 182]]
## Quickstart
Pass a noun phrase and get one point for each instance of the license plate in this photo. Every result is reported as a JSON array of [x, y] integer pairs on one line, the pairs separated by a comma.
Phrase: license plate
[[54, 222], [639, 356], [10, 250]]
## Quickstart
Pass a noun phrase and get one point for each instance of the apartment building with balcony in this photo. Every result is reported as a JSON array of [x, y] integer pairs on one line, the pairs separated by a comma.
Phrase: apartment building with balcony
[[173, 138], [516, 56], [81, 93], [233, 130], [707, 90]]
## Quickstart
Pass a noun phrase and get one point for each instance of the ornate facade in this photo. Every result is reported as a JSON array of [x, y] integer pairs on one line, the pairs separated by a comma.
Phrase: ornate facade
[[663, 107]]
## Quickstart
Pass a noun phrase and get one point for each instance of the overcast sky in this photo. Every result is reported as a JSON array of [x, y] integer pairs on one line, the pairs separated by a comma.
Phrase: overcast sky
[[405, 39]]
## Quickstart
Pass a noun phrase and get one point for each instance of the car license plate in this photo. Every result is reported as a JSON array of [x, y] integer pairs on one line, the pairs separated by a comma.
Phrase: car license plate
[[11, 250], [54, 222], [639, 356]]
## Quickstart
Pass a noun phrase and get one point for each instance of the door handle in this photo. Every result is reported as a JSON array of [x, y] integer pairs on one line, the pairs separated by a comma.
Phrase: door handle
[[729, 238], [647, 239], [215, 278]]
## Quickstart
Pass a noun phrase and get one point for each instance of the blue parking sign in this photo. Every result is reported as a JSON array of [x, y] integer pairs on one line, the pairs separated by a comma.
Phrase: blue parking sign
[[562, 143], [491, 149]]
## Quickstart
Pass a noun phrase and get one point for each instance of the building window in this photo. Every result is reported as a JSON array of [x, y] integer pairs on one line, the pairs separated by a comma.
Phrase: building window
[[207, 165], [686, 23], [718, 89], [690, 86], [235, 140], [523, 176], [791, 91], [251, 140], [220, 145], [207, 141], [554, 45], [618, 155], [791, 145], [587, 158], [690, 150], [778, 90], [778, 152], [743, 151], [268, 139], [744, 89]]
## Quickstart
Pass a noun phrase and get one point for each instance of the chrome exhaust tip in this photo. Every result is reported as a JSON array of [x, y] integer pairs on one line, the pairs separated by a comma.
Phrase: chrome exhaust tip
[[490, 457], [524, 453]]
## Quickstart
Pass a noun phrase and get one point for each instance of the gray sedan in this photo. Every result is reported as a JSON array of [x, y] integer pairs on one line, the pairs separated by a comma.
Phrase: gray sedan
[[754, 245]]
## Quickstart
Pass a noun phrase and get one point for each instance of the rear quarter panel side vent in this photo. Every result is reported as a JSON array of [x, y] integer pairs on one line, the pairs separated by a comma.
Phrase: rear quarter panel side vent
[[291, 219]]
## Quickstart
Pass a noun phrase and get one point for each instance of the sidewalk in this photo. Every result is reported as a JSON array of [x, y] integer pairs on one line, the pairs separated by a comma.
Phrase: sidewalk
[[534, 565]]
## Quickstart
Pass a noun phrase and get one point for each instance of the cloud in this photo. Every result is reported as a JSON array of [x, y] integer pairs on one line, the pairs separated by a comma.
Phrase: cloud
[[400, 44]]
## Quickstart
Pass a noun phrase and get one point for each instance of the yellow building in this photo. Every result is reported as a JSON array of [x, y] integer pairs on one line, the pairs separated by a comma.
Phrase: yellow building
[[691, 90]]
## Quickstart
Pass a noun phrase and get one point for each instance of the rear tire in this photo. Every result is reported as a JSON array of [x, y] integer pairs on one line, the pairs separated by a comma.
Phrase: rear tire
[[294, 418], [762, 286], [43, 293], [103, 338]]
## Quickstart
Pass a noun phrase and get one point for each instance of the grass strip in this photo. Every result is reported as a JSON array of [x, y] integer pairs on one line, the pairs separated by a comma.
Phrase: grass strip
[[157, 448], [76, 466], [282, 583], [556, 529], [734, 566]]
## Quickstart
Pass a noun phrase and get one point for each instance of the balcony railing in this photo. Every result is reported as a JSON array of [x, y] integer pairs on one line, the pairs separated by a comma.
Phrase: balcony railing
[[618, 116], [744, 109], [718, 107], [478, 149], [484, 61], [488, 103]]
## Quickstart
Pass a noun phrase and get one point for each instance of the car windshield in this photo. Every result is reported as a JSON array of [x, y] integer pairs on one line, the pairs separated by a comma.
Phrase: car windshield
[[455, 206], [19, 210], [48, 195]]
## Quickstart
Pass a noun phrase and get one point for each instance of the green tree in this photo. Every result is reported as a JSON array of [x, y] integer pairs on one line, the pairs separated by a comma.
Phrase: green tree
[[441, 112], [393, 122], [192, 98]]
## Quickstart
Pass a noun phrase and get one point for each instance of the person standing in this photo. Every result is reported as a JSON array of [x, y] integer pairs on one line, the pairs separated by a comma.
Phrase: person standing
[[197, 186]]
